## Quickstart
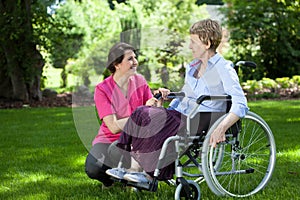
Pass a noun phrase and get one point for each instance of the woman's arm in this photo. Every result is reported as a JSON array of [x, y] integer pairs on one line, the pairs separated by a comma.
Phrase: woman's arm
[[114, 125], [219, 134], [239, 103]]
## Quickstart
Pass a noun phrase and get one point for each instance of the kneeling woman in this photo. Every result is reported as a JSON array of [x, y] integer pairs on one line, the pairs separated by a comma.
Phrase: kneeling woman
[[116, 98]]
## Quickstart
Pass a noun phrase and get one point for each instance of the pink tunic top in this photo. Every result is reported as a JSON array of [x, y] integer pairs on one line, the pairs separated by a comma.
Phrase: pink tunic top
[[110, 100]]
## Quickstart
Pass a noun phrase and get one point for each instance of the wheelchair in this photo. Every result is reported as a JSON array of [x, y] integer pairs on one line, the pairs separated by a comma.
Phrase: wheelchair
[[238, 167]]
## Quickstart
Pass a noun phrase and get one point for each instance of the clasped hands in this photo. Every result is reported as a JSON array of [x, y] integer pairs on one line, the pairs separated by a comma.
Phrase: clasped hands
[[158, 102]]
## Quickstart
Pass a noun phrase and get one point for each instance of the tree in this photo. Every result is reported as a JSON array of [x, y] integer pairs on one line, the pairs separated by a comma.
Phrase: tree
[[24, 34], [21, 61], [100, 33], [266, 32], [65, 38], [164, 27]]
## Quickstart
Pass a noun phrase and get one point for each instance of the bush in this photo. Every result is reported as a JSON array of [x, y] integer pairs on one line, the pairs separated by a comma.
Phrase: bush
[[296, 79], [269, 89], [283, 82]]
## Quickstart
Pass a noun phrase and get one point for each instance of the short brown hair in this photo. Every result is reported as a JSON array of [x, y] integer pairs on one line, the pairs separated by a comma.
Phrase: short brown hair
[[116, 55], [208, 30]]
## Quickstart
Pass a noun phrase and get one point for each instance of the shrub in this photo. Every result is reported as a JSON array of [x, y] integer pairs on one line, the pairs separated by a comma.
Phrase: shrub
[[296, 80], [283, 82], [268, 83], [251, 86], [270, 89]]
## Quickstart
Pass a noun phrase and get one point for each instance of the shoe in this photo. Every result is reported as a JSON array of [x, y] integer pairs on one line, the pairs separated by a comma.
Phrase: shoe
[[107, 184], [106, 187], [137, 177], [116, 172]]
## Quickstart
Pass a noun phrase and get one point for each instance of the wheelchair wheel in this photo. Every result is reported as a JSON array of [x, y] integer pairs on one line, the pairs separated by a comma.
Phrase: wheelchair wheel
[[191, 162], [194, 190], [248, 159]]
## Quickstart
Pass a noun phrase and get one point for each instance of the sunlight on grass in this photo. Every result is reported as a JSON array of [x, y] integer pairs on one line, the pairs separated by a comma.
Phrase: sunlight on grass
[[37, 196], [292, 155], [77, 161], [293, 119], [33, 177], [60, 114], [35, 154]]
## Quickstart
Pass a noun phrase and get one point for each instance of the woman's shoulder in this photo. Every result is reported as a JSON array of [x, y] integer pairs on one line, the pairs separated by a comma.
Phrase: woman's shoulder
[[107, 82], [138, 78], [224, 64]]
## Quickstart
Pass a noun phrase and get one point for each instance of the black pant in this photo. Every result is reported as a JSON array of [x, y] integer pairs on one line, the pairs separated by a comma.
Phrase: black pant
[[100, 158]]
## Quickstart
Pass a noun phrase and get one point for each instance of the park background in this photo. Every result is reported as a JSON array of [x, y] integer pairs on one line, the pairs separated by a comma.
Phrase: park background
[[53, 53]]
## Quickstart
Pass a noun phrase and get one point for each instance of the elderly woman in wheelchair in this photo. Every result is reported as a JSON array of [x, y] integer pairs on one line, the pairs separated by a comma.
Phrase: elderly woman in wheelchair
[[204, 121]]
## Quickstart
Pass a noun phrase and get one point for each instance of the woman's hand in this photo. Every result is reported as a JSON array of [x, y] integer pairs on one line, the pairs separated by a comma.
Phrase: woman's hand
[[152, 102], [217, 136], [164, 92], [219, 133]]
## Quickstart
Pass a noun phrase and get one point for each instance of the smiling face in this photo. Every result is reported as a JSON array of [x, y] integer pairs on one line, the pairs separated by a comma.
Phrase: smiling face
[[129, 64], [199, 49]]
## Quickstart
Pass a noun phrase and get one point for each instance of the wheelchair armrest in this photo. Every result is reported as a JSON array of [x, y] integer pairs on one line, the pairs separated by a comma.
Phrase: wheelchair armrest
[[213, 98]]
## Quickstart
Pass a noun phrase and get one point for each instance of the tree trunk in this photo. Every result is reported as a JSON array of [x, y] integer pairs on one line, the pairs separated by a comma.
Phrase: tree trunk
[[22, 64]]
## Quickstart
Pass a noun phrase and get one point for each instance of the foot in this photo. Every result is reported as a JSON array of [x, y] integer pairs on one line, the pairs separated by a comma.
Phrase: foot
[[116, 172], [137, 177]]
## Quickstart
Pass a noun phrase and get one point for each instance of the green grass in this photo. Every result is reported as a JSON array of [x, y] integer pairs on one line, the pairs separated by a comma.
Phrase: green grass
[[53, 80], [43, 150]]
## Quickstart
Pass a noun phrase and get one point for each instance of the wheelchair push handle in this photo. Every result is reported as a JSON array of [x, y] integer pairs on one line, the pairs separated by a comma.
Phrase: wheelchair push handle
[[246, 64], [172, 95]]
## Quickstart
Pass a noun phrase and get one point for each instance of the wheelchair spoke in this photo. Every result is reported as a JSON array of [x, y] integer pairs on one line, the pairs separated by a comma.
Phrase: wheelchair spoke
[[248, 157]]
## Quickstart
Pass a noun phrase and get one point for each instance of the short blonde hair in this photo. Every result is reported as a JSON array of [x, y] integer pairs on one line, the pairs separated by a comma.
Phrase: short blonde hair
[[208, 30]]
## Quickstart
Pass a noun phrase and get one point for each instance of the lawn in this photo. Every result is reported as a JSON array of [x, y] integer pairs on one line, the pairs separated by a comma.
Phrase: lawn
[[43, 150]]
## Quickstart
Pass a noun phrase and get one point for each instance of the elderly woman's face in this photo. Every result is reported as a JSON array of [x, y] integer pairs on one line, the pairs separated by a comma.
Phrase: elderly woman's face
[[129, 63], [197, 46]]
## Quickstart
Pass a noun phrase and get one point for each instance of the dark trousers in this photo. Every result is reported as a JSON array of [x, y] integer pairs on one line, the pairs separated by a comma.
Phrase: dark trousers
[[100, 158]]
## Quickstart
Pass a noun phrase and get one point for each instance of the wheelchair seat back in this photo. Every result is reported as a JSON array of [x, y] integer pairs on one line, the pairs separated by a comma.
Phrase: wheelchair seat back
[[202, 121]]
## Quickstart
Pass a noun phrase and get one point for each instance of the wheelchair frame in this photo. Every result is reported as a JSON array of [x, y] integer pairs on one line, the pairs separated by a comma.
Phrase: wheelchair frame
[[239, 167]]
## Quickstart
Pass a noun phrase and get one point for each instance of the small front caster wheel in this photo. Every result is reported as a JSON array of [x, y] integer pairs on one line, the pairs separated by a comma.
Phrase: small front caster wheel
[[193, 192]]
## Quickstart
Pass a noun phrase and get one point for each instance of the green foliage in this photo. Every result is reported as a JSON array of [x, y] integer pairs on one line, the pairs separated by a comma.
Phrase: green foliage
[[100, 34], [266, 32], [296, 79], [283, 82], [65, 38], [268, 83], [65, 35], [157, 28], [252, 86], [164, 28], [22, 24], [269, 88]]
